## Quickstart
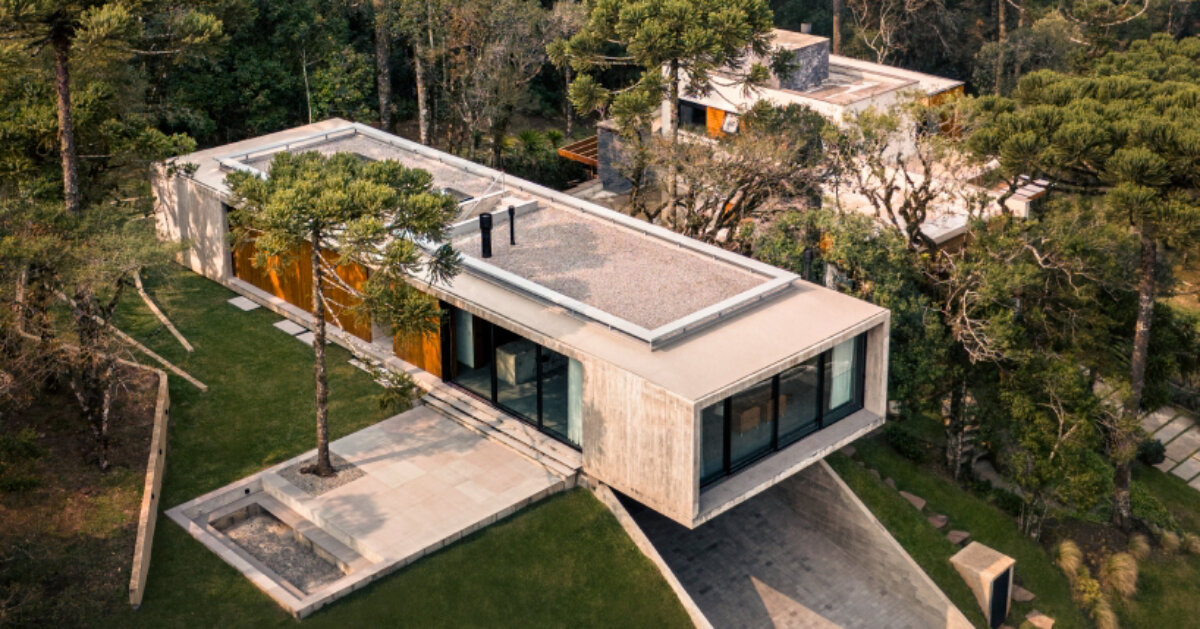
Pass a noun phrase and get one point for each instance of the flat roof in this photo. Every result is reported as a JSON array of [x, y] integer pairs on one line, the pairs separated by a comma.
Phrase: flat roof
[[611, 268], [634, 277], [704, 353]]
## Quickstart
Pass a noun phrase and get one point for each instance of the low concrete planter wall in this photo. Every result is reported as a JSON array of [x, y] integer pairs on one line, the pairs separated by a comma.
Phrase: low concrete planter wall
[[148, 515]]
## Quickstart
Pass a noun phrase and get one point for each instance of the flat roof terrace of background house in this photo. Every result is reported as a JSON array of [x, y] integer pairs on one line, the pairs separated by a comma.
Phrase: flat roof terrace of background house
[[349, 141], [636, 277]]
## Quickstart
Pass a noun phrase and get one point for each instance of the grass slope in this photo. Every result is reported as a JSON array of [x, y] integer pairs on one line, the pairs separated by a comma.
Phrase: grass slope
[[929, 547], [564, 562]]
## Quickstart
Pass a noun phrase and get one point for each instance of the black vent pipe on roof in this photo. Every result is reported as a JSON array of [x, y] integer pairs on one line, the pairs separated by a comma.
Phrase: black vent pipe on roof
[[512, 225], [485, 233]]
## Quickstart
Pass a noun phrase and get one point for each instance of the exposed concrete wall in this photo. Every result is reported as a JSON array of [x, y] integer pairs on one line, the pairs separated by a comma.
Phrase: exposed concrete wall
[[191, 213], [639, 439], [824, 502]]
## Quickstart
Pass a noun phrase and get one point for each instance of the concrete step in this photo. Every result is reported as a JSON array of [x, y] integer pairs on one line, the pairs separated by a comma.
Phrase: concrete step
[[510, 432], [514, 443], [512, 426]]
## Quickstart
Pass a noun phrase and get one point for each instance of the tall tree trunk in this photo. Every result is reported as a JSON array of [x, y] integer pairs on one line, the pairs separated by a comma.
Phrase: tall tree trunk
[[1127, 433], [323, 466], [422, 94], [66, 132], [383, 63], [568, 108], [673, 121], [1002, 35], [837, 27]]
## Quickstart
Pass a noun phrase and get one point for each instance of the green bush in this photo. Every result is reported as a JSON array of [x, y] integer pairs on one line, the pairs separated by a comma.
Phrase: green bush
[[1148, 508], [1152, 452], [908, 445], [1007, 501]]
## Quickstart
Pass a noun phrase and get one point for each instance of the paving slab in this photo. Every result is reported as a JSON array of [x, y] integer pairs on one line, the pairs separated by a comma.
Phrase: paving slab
[[307, 338], [1187, 469], [958, 537], [1021, 595], [938, 520], [1153, 421], [243, 303], [781, 560], [288, 326], [1182, 446], [914, 500], [421, 488], [1166, 465], [1173, 428]]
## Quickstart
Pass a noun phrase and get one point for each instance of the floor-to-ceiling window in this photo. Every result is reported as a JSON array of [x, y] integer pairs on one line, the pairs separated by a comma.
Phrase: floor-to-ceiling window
[[537, 384], [782, 409]]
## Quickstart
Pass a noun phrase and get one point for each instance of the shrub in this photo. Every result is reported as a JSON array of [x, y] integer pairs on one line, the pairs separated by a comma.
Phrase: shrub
[[1152, 452], [1069, 558], [1103, 615], [1007, 501], [1169, 541], [1139, 546], [909, 446], [1120, 574], [1148, 508], [1191, 543], [1087, 590]]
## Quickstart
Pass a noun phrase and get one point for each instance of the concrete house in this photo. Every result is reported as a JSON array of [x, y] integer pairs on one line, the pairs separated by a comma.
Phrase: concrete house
[[686, 377]]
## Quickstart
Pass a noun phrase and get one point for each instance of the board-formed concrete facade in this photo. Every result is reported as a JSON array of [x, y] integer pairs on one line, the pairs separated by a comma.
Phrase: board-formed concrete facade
[[641, 395]]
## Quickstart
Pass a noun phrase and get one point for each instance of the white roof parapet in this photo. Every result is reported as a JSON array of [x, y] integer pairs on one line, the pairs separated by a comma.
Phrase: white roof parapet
[[777, 280]]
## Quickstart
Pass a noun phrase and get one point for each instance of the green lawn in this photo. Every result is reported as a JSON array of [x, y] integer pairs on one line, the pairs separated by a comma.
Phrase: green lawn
[[563, 562], [1168, 587], [929, 547]]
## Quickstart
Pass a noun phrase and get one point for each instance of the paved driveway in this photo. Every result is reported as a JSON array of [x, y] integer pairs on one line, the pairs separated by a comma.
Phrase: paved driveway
[[801, 554]]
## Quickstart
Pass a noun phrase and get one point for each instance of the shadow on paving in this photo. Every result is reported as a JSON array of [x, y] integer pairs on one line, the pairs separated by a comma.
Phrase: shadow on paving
[[801, 554]]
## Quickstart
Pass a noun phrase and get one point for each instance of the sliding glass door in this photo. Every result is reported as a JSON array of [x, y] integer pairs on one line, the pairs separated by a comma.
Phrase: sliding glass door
[[534, 383], [781, 410]]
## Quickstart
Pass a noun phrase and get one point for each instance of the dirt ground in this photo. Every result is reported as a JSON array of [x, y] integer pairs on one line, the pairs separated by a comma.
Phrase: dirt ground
[[66, 544]]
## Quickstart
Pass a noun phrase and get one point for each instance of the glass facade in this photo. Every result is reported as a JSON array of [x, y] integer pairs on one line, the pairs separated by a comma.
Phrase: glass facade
[[775, 413], [525, 379]]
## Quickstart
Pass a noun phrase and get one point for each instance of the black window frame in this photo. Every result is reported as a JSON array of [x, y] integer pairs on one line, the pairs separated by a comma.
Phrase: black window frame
[[825, 418]]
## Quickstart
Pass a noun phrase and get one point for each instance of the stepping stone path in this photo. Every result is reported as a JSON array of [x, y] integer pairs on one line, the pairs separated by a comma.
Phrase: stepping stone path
[[1039, 620], [938, 520], [890, 483], [874, 473], [849, 450], [958, 537], [243, 303], [1180, 433], [287, 326], [306, 338], [1021, 595], [915, 501]]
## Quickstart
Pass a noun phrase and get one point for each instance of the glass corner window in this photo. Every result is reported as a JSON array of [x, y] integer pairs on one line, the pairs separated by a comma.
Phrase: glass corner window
[[782, 409]]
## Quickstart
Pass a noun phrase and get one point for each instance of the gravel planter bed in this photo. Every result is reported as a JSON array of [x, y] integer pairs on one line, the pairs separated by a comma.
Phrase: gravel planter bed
[[315, 485], [274, 544]]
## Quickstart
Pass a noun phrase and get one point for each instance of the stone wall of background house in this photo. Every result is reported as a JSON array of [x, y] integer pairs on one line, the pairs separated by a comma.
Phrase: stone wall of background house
[[810, 67]]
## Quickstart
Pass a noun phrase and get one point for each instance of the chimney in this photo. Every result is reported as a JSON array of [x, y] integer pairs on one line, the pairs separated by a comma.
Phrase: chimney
[[485, 233], [512, 228], [806, 28]]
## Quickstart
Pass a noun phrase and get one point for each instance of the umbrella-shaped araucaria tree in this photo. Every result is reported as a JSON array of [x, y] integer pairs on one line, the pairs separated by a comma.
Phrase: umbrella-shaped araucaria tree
[[332, 212]]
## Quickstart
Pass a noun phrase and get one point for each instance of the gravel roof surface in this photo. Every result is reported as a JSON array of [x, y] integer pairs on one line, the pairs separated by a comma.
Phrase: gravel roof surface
[[644, 280]]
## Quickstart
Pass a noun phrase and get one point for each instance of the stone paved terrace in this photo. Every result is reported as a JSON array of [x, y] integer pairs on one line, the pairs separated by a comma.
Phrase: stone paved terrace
[[427, 481]]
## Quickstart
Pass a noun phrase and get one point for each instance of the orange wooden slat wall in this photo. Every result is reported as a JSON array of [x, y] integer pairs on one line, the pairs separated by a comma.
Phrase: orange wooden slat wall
[[422, 350]]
